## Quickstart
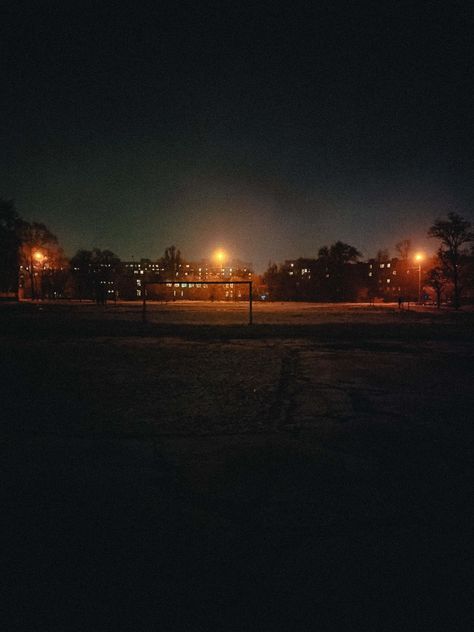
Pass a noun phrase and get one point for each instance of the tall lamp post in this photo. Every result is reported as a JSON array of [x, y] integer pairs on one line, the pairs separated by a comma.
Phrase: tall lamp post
[[419, 257], [40, 259]]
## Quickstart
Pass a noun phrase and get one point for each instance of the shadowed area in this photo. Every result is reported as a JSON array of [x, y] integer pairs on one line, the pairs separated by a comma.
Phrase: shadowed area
[[215, 477]]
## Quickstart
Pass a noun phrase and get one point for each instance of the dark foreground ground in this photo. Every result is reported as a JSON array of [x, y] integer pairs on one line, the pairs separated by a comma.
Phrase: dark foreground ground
[[312, 472]]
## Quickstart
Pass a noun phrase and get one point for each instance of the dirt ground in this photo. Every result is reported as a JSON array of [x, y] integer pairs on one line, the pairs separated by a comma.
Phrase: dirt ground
[[313, 471]]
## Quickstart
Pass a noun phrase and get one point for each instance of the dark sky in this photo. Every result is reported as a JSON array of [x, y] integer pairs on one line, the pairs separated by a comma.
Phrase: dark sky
[[269, 130]]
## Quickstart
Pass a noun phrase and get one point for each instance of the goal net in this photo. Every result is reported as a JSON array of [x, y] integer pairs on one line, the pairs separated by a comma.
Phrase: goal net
[[205, 296]]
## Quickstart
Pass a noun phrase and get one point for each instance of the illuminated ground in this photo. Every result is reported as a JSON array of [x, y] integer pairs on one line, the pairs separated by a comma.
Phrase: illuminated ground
[[230, 313], [317, 466]]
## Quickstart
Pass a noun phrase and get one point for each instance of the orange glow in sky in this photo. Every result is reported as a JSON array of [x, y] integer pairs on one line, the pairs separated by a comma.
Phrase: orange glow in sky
[[220, 256]]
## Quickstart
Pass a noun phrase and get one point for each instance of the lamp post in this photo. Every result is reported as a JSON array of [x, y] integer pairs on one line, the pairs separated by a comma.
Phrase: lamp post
[[419, 257], [40, 258]]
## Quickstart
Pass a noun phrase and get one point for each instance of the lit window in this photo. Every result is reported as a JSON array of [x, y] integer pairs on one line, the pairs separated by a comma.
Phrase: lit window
[[388, 280], [394, 272], [370, 273], [382, 265], [388, 265]]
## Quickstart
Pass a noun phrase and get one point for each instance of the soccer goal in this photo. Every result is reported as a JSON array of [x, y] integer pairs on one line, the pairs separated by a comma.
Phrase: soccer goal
[[172, 289]]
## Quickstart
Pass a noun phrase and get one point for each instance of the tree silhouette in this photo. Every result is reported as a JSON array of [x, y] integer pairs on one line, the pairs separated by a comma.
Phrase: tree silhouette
[[95, 272], [39, 249], [436, 279], [10, 223], [57, 275], [81, 271], [404, 249], [272, 279], [453, 233], [171, 262], [382, 256], [405, 279], [333, 264]]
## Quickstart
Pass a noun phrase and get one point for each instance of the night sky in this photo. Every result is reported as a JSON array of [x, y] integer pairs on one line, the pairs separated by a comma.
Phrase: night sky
[[267, 130]]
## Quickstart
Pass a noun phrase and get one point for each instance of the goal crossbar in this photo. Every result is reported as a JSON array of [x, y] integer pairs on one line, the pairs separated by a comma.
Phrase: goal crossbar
[[195, 284]]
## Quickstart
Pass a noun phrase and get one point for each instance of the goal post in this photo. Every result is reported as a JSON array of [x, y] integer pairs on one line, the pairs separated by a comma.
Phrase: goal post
[[197, 284]]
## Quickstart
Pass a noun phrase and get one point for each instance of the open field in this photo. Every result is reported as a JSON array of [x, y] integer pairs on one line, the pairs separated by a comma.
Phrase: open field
[[229, 313], [196, 473]]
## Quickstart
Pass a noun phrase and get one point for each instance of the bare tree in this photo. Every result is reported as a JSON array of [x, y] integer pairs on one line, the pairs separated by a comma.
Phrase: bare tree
[[382, 256], [453, 233], [272, 278], [436, 279], [171, 262], [403, 248], [39, 248], [10, 224]]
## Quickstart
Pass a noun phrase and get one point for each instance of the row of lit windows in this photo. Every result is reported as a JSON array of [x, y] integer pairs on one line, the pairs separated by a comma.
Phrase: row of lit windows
[[394, 272], [227, 285], [146, 266]]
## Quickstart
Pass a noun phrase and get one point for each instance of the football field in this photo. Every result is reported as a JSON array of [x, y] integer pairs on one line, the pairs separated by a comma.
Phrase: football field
[[317, 464]]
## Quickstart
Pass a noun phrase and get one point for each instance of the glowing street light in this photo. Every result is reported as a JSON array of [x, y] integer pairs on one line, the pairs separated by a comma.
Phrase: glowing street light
[[220, 256], [419, 257], [40, 259]]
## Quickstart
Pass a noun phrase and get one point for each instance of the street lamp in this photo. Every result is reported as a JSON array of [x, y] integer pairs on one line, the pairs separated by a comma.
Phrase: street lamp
[[220, 256], [40, 259], [419, 257]]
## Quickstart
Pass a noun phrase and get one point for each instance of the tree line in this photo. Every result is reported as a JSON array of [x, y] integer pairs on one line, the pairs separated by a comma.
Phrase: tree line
[[30, 255], [32, 260], [338, 273], [26, 248]]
